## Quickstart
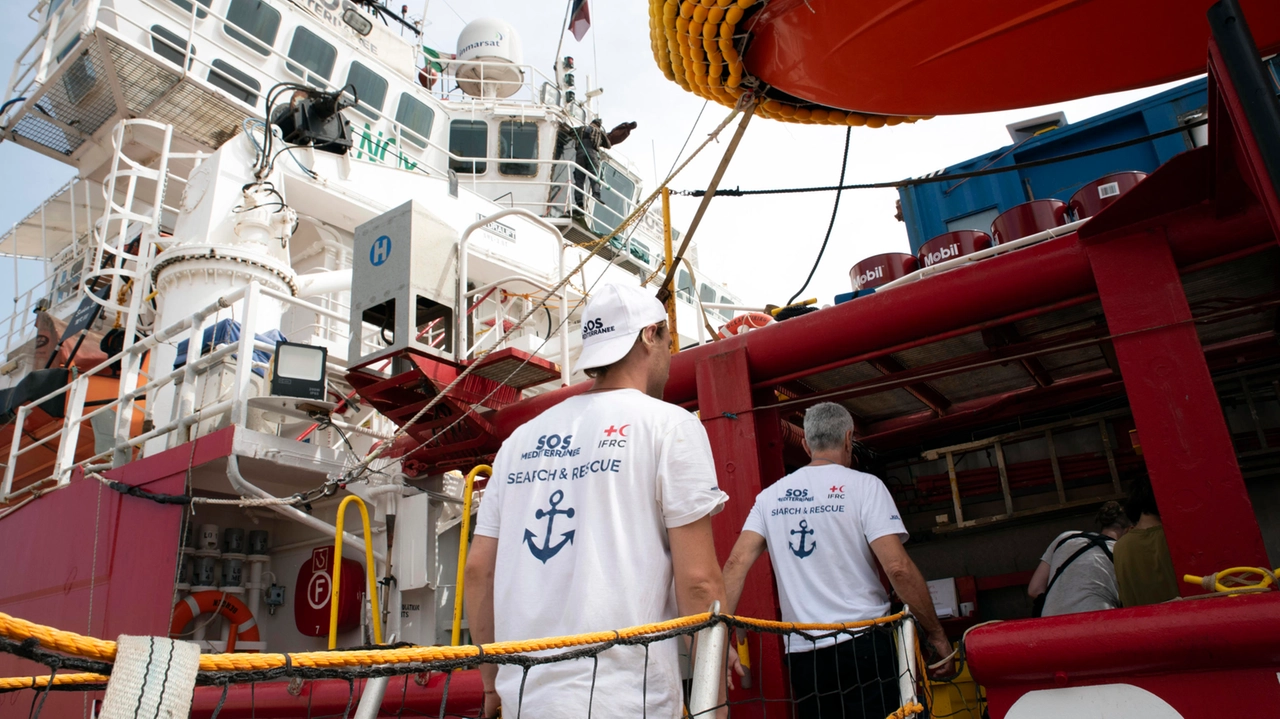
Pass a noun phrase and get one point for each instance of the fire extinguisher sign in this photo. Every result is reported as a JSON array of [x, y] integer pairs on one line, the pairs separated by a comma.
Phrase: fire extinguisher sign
[[320, 588]]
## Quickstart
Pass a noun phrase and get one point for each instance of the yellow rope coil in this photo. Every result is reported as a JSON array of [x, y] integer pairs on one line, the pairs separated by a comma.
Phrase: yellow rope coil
[[1216, 582], [697, 45], [103, 650]]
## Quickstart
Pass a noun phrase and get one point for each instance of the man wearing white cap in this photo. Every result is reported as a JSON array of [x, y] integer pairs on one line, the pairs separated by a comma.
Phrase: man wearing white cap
[[598, 517]]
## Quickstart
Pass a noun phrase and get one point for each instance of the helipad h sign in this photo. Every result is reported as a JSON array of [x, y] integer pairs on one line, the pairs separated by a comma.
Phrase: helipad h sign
[[380, 250]]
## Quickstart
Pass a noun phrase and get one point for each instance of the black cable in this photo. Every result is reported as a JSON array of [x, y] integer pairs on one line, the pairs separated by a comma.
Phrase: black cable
[[549, 329], [911, 182], [835, 207]]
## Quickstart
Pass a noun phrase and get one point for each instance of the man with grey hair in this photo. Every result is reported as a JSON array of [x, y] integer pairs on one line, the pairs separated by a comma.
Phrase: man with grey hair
[[825, 525]]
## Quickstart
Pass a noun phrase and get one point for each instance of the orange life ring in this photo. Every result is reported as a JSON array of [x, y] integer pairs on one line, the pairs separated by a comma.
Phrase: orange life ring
[[744, 323], [242, 621]]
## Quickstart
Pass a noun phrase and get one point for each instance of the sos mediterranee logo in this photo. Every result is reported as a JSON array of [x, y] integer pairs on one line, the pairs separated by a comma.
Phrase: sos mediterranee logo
[[594, 327], [553, 445], [796, 495]]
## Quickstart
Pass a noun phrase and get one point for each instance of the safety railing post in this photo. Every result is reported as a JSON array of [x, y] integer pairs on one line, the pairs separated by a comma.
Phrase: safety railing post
[[70, 440], [370, 568], [907, 659], [244, 355], [14, 446], [467, 490], [704, 696]]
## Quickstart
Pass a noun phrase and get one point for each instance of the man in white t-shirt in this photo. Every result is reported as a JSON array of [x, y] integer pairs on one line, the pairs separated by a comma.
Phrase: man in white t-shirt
[[825, 526], [1077, 572], [598, 517]]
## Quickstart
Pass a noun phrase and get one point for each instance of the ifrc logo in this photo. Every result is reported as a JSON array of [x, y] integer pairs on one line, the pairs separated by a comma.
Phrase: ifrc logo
[[836, 492], [615, 436]]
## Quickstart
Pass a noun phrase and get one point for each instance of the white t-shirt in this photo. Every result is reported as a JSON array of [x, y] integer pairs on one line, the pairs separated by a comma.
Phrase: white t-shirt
[[819, 523], [1088, 584], [580, 501]]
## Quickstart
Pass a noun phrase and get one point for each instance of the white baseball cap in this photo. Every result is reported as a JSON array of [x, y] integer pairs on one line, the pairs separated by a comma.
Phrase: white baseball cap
[[614, 316]]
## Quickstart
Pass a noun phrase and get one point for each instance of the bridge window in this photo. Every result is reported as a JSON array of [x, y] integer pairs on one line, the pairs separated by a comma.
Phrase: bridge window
[[313, 54], [684, 286], [518, 141], [640, 251], [468, 138], [616, 192], [186, 5], [258, 19], [237, 83], [169, 46], [708, 294], [727, 314], [370, 88], [416, 118]]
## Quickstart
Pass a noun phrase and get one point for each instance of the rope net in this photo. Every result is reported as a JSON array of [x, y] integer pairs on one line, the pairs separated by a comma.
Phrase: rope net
[[860, 669]]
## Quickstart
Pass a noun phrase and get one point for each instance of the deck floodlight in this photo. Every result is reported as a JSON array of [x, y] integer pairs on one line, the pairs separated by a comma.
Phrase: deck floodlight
[[357, 21], [298, 371]]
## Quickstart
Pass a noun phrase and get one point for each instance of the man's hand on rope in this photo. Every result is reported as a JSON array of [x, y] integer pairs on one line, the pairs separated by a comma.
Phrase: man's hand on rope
[[943, 657]]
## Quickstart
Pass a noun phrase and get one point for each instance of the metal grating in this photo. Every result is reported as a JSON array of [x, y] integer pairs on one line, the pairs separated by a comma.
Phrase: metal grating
[[141, 80], [1233, 284], [203, 115], [79, 97], [983, 382], [1061, 321], [883, 405], [1070, 363]]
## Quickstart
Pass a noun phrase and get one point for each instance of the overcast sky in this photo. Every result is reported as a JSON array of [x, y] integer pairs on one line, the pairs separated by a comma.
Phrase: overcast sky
[[761, 247]]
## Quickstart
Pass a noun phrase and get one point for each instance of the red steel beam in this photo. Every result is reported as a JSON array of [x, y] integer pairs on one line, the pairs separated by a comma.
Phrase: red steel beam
[[1055, 271]]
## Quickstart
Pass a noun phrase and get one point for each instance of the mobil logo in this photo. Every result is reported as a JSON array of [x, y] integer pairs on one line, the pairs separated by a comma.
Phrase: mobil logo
[[881, 269], [380, 251], [950, 245], [314, 592]]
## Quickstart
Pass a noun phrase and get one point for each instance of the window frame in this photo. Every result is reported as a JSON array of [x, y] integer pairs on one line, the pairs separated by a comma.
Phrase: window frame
[[530, 162], [158, 33], [200, 6], [477, 168], [298, 68], [244, 36], [361, 106], [412, 134], [226, 66]]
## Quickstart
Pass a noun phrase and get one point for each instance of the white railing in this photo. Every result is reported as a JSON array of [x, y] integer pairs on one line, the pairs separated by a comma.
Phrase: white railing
[[19, 327], [185, 413]]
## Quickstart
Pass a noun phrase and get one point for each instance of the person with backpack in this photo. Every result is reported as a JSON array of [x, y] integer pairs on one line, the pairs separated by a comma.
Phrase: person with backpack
[[1077, 572]]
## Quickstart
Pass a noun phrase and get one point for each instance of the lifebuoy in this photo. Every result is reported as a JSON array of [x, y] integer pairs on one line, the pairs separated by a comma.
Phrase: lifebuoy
[[228, 606], [744, 323]]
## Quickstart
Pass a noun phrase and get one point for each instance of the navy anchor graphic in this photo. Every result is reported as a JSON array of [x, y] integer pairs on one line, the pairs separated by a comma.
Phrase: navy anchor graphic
[[547, 551], [803, 531]]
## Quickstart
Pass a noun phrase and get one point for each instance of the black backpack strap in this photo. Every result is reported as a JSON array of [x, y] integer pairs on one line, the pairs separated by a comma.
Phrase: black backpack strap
[[1095, 540]]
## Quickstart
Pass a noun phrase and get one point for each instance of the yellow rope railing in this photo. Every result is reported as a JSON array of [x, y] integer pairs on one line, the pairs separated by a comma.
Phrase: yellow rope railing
[[20, 630], [1217, 582], [11, 683]]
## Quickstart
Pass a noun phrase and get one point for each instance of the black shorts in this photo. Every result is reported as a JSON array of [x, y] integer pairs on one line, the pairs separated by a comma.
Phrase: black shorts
[[855, 679]]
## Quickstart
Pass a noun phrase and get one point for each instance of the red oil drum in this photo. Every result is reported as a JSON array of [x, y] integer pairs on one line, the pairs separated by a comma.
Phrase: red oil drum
[[951, 245], [1028, 219], [1090, 199], [881, 269]]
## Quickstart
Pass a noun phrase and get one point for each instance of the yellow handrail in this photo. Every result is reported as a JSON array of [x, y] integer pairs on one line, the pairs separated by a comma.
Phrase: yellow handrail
[[337, 573], [462, 547]]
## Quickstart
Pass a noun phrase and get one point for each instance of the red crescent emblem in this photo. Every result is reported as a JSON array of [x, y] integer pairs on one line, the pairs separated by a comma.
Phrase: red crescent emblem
[[622, 431]]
